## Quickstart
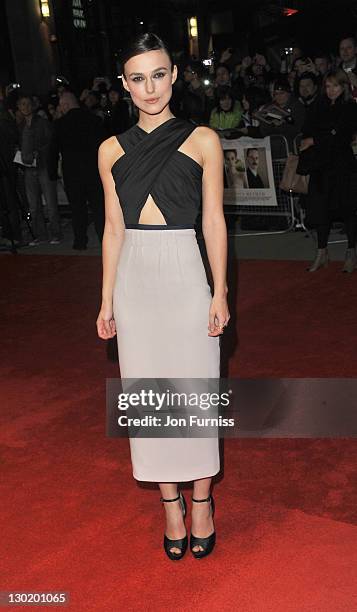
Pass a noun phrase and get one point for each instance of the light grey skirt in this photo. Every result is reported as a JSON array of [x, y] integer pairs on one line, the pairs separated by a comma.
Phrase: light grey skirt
[[161, 305]]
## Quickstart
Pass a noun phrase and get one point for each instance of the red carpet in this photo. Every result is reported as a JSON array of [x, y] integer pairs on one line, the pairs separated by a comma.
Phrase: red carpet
[[75, 520]]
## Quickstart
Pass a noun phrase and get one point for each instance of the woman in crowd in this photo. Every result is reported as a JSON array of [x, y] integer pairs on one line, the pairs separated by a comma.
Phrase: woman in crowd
[[117, 112], [326, 154], [253, 99], [228, 112]]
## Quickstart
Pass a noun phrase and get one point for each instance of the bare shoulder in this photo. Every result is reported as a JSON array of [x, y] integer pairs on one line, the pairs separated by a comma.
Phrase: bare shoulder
[[110, 145], [208, 141], [109, 151], [206, 135]]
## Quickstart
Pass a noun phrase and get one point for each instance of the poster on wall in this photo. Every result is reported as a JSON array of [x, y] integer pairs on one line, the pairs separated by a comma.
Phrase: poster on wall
[[248, 168]]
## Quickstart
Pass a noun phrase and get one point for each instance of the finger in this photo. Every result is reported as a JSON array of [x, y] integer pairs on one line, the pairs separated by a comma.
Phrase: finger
[[102, 333], [211, 323], [104, 328], [108, 328], [214, 332], [220, 321]]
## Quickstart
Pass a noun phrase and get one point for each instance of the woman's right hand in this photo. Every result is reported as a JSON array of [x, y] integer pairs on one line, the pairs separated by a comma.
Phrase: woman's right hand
[[105, 323]]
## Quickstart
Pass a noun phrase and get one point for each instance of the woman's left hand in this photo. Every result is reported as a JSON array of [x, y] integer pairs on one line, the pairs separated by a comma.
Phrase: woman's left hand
[[218, 316]]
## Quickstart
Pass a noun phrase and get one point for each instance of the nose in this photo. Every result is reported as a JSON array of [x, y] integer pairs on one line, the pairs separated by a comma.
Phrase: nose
[[150, 87]]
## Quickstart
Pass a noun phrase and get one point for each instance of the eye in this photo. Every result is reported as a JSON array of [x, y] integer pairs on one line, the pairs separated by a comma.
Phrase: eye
[[160, 74], [137, 78]]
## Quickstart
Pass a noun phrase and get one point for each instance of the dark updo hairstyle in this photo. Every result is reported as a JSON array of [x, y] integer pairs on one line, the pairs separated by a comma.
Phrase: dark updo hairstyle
[[142, 43]]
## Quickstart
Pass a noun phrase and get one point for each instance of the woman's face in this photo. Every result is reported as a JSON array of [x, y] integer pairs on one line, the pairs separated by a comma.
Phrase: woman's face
[[257, 69], [149, 80], [230, 158], [281, 97], [113, 96], [225, 103], [333, 90], [91, 101], [222, 76]]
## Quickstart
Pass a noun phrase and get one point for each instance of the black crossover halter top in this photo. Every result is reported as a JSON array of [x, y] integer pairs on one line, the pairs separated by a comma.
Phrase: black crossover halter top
[[152, 164]]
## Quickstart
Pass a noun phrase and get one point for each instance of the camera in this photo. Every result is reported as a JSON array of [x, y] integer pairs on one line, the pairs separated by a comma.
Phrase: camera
[[207, 62], [13, 86]]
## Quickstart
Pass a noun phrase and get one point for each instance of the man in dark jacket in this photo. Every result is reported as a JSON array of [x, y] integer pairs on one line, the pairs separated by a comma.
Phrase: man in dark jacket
[[77, 136], [348, 56], [35, 135], [254, 180]]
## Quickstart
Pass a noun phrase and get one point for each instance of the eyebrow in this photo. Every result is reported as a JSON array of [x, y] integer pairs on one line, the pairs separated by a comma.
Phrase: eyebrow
[[141, 73]]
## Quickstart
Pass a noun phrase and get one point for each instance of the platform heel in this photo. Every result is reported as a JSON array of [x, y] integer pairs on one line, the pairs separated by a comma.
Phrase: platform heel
[[181, 543], [207, 543]]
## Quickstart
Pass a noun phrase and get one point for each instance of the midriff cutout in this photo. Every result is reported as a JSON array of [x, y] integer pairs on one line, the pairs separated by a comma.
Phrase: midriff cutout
[[150, 213]]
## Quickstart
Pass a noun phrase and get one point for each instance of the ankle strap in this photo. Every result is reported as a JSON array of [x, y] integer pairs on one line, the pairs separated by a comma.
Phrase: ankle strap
[[198, 501], [170, 500]]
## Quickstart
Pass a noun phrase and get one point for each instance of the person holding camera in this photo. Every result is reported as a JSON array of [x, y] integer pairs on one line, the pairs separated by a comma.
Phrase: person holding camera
[[292, 115]]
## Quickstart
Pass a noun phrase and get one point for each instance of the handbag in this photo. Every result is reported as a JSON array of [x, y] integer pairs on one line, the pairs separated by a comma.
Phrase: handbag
[[291, 181]]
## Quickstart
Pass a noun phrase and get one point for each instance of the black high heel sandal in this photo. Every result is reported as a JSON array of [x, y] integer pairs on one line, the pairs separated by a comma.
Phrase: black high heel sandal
[[206, 543], [183, 542]]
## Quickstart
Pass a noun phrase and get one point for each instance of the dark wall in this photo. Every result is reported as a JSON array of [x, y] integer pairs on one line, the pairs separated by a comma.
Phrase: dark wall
[[7, 73], [31, 49]]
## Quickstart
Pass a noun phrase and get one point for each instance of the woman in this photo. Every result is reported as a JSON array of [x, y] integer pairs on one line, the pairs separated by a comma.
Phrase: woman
[[155, 292], [117, 110], [235, 170], [228, 112], [326, 154], [253, 99]]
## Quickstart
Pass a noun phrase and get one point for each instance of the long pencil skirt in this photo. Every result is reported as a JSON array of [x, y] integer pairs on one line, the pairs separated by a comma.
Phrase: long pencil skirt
[[161, 307]]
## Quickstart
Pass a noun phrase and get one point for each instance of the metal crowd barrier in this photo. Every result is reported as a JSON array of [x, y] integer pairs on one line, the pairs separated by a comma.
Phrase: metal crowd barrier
[[278, 219]]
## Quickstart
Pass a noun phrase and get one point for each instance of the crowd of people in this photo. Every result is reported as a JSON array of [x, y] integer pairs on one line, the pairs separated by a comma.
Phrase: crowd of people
[[58, 137], [310, 96]]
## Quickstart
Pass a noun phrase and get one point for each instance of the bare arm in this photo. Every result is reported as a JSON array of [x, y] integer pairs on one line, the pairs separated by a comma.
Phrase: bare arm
[[214, 226], [113, 236]]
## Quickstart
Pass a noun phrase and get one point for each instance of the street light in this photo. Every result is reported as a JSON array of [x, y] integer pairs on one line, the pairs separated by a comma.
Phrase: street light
[[193, 27], [45, 8], [193, 35]]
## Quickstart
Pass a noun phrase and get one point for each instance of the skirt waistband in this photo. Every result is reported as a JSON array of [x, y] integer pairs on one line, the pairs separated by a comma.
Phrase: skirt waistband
[[144, 226]]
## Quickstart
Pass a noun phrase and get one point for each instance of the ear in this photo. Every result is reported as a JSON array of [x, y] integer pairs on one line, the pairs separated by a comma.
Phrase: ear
[[123, 80], [174, 74]]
